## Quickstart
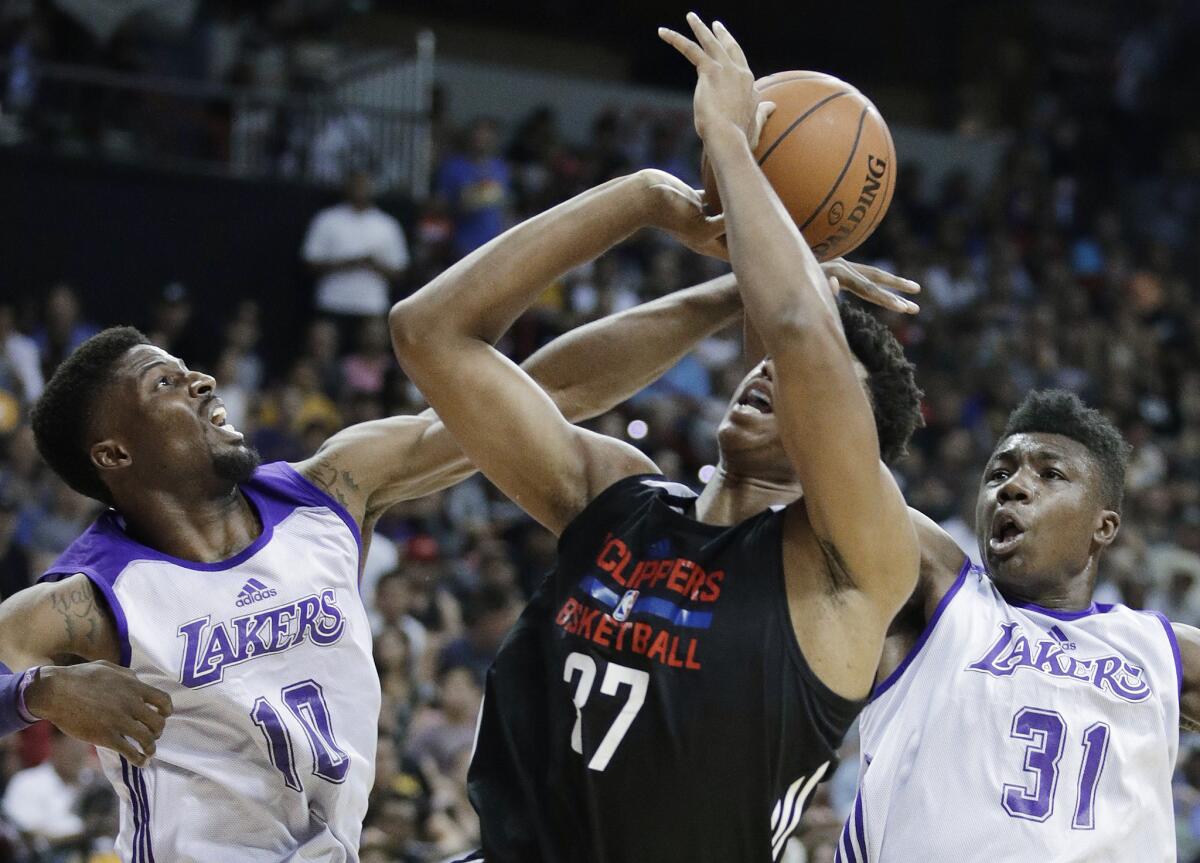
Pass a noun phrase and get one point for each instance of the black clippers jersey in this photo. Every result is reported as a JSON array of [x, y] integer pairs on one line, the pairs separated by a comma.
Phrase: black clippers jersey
[[652, 705]]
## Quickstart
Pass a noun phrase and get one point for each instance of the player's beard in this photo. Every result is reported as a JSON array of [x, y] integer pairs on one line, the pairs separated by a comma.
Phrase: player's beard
[[236, 464]]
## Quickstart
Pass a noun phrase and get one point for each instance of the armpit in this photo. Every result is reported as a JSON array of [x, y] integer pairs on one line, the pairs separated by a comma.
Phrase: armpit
[[836, 571]]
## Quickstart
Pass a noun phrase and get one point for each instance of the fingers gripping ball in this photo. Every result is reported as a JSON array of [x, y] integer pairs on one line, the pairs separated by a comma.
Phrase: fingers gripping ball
[[829, 156]]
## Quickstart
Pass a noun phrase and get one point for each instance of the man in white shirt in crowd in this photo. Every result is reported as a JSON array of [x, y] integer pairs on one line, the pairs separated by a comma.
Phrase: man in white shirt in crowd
[[20, 363], [41, 801], [356, 251]]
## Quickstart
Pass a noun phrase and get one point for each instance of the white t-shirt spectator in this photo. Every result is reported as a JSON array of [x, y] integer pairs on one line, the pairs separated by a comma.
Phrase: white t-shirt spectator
[[22, 354], [341, 233], [38, 802]]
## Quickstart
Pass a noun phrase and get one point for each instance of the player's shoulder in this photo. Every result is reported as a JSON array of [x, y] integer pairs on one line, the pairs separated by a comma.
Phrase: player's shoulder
[[640, 488], [628, 498]]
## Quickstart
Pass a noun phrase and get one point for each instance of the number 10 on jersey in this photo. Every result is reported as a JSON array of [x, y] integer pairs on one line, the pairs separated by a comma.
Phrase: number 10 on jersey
[[583, 667]]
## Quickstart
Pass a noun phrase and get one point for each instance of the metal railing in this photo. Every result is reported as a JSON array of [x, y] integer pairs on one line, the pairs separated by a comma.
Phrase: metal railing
[[373, 114]]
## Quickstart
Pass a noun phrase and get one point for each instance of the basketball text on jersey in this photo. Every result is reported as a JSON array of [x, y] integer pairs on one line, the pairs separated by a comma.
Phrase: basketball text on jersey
[[208, 651], [603, 615], [1014, 650]]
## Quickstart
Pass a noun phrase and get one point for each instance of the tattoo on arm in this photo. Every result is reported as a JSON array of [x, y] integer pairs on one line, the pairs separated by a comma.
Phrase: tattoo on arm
[[325, 474], [80, 615], [1186, 723]]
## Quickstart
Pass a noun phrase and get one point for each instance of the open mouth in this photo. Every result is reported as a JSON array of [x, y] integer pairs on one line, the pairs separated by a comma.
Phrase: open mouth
[[1007, 533], [756, 397], [218, 418]]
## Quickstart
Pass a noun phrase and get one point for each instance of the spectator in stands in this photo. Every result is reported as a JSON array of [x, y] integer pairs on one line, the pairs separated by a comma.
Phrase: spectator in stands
[[242, 336], [366, 369], [20, 368], [15, 569], [393, 606], [356, 251], [174, 329], [476, 188], [443, 734], [488, 615], [64, 328], [322, 350], [42, 801]]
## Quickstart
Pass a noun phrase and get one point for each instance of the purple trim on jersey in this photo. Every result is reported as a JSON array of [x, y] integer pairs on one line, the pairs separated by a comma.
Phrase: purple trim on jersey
[[1174, 647], [138, 808], [925, 633], [846, 840], [1094, 608], [858, 826], [104, 550], [140, 776]]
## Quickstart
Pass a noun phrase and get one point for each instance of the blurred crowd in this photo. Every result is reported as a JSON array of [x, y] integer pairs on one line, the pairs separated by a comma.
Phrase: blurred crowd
[[1075, 266]]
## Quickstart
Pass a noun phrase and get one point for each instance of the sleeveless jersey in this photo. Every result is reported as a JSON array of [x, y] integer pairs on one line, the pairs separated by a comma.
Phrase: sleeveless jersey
[[652, 702], [270, 753], [1013, 732]]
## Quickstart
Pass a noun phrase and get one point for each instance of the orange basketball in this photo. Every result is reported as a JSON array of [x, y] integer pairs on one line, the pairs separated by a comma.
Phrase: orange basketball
[[829, 156]]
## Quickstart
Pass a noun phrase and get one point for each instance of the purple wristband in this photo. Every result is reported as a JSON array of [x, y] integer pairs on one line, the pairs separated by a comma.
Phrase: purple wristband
[[27, 678]]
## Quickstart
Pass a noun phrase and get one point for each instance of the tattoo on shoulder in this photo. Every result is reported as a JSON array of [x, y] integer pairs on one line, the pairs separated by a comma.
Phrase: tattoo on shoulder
[[80, 615], [325, 474]]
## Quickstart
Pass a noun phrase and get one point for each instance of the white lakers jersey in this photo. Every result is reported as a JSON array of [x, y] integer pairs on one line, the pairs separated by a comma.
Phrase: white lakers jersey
[[1017, 733], [270, 753]]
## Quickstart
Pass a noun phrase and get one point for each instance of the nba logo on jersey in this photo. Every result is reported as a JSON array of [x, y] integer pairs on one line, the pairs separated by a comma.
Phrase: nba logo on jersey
[[626, 605]]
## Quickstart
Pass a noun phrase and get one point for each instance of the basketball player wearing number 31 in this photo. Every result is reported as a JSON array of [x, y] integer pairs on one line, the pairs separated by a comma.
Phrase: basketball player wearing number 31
[[678, 685]]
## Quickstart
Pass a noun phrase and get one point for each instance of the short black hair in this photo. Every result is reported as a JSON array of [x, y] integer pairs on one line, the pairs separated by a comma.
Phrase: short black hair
[[62, 418], [891, 380], [1063, 413]]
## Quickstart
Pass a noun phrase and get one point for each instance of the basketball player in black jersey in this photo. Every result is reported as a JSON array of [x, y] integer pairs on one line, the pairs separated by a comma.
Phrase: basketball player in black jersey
[[678, 685]]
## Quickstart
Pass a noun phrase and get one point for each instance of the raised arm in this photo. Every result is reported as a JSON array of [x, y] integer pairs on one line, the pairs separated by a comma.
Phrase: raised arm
[[373, 465], [504, 422], [64, 629], [858, 518]]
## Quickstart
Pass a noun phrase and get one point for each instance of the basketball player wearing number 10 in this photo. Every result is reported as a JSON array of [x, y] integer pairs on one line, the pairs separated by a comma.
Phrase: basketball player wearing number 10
[[678, 685], [243, 724]]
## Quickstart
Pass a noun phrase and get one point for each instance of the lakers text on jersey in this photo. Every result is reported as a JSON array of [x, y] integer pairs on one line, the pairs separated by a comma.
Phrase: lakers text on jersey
[[270, 752], [1014, 732]]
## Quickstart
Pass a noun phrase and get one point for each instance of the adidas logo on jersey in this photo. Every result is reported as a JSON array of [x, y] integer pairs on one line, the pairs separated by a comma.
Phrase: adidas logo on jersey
[[254, 591]]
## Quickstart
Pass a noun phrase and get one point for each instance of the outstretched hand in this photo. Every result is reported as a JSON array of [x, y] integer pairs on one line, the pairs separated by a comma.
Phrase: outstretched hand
[[102, 704], [678, 209], [872, 284], [725, 91]]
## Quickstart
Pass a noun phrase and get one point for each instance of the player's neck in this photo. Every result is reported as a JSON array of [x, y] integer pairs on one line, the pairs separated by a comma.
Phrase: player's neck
[[1065, 594], [730, 497], [205, 531]]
